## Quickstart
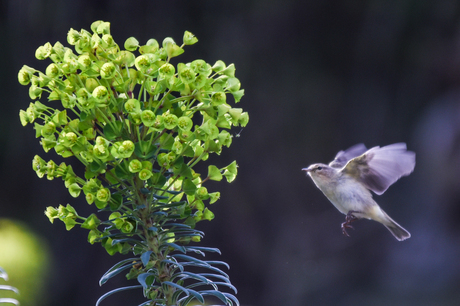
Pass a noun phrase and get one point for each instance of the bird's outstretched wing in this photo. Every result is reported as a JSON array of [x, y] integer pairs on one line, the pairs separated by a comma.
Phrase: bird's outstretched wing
[[379, 168], [343, 157]]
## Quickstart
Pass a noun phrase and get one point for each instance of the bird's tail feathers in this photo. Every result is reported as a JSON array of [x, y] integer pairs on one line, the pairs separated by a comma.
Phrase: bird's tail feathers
[[397, 230]]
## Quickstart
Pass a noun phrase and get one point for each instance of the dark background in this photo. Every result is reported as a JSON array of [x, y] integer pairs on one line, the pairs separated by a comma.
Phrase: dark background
[[319, 77]]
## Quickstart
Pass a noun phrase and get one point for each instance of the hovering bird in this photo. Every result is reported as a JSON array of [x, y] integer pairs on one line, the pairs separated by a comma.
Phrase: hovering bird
[[348, 179]]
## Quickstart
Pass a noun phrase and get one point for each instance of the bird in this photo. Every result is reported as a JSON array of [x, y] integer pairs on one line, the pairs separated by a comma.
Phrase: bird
[[348, 179]]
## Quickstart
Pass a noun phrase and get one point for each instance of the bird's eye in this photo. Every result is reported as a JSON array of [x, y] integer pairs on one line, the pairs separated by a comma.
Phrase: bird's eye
[[319, 168]]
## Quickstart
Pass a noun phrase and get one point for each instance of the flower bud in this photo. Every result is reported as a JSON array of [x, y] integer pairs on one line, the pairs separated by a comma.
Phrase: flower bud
[[101, 28], [25, 75], [100, 93], [170, 121], [145, 174], [84, 62], [186, 74], [52, 213], [218, 98], [101, 152], [52, 70], [148, 117], [108, 70], [185, 123], [44, 51], [70, 66], [201, 67], [108, 40], [103, 195], [48, 129], [135, 166], [73, 37], [158, 124], [167, 71], [132, 105]]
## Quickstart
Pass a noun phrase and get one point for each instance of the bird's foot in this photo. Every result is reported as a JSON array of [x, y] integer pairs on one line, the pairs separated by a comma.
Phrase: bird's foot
[[348, 219]]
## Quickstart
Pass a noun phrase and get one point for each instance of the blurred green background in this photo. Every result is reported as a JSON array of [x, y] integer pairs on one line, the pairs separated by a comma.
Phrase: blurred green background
[[319, 77]]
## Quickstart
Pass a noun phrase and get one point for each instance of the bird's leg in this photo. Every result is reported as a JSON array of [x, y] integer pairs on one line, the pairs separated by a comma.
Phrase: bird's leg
[[348, 219]]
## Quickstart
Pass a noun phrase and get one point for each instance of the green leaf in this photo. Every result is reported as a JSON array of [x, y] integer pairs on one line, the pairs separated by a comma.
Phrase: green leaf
[[207, 214], [113, 130], [214, 173], [189, 38], [237, 95], [122, 171], [183, 170], [74, 190], [145, 149], [188, 187]]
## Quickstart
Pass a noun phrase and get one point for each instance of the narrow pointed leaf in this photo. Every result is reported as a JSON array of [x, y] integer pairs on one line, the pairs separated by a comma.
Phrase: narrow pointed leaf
[[204, 249], [232, 297], [180, 266], [9, 300], [198, 296], [115, 291], [176, 247], [217, 294], [3, 274], [119, 267], [227, 285], [11, 288], [185, 300], [194, 276], [221, 277], [218, 263], [183, 289], [190, 259], [208, 267]]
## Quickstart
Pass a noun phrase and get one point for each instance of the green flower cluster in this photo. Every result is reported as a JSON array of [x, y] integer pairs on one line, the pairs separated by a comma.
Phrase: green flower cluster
[[139, 124]]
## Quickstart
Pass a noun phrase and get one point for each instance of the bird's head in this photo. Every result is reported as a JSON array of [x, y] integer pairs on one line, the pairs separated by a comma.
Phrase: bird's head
[[320, 173]]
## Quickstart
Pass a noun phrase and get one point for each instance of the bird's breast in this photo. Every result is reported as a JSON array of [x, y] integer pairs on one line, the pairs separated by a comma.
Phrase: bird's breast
[[347, 194]]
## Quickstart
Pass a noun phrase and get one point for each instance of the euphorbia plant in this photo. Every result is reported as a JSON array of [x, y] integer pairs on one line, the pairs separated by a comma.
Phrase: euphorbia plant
[[139, 124]]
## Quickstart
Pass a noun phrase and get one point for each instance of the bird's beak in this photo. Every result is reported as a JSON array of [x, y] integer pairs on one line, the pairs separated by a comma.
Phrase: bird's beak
[[306, 169]]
